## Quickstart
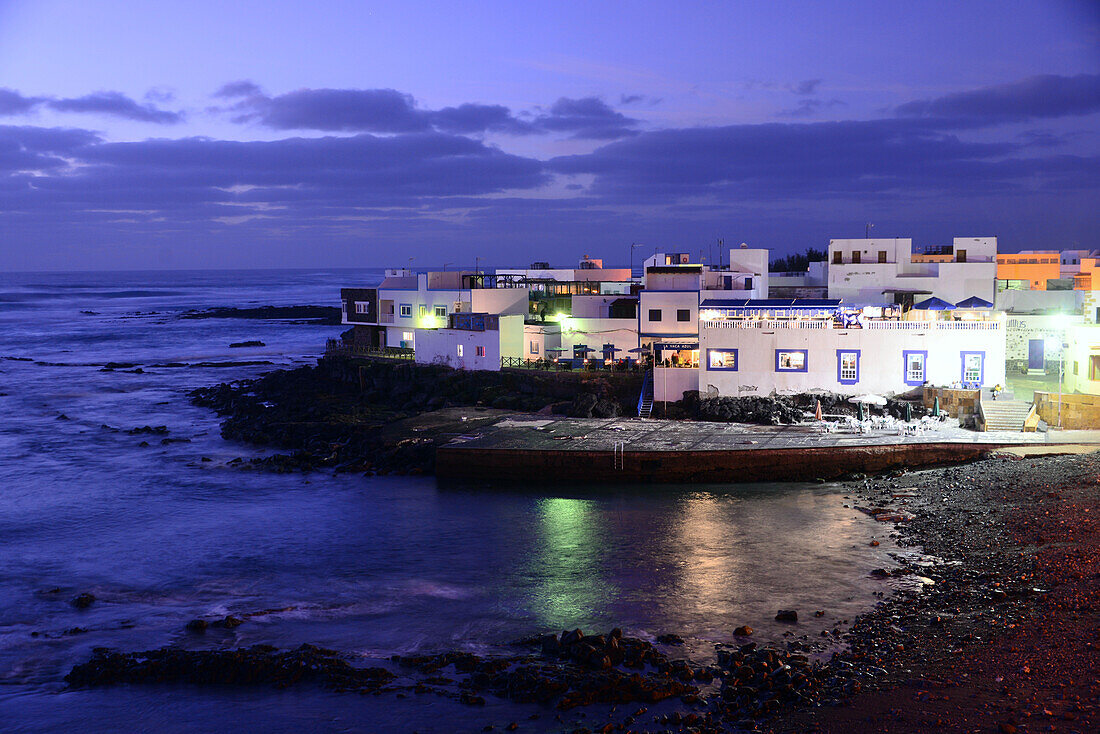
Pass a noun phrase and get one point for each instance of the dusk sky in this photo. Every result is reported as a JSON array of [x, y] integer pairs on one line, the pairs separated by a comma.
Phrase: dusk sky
[[340, 134]]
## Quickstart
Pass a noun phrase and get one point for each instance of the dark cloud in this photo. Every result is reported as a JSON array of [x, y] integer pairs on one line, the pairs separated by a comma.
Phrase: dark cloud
[[807, 87], [14, 103], [114, 104], [810, 107], [774, 161], [241, 88], [475, 118], [1037, 97], [588, 118]]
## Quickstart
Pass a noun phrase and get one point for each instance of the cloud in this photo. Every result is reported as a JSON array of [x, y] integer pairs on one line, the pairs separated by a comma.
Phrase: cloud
[[115, 104], [778, 161], [810, 107], [1043, 96], [809, 86], [586, 118], [390, 111], [14, 103]]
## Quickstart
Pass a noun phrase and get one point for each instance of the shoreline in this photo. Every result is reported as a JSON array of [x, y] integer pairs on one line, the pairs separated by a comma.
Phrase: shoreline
[[988, 625]]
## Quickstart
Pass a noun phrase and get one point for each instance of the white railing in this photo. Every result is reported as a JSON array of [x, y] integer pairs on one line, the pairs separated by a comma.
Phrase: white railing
[[765, 324], [899, 325], [967, 325]]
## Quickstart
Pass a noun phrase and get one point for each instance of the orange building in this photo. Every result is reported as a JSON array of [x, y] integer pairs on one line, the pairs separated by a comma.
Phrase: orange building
[[1036, 267], [1083, 280]]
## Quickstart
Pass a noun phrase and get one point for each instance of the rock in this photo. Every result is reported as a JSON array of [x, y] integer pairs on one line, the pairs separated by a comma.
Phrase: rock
[[253, 343], [743, 631], [670, 639], [196, 625], [229, 622], [786, 615], [83, 601]]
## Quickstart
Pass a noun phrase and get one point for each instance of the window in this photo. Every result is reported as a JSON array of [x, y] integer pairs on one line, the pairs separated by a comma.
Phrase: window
[[1075, 366], [362, 307], [748, 284], [914, 367], [407, 336], [847, 366], [683, 314], [441, 312], [838, 257], [790, 360], [534, 348], [406, 310], [972, 367], [654, 314], [423, 310], [480, 351], [722, 359], [882, 256], [855, 256], [1094, 367], [460, 350], [960, 256]]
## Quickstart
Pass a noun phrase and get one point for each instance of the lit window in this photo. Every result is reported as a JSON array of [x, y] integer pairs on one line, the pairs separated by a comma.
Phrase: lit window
[[406, 310], [407, 336], [914, 368], [792, 360], [972, 366], [847, 368], [480, 351], [722, 359], [423, 310], [534, 347], [460, 350], [441, 312]]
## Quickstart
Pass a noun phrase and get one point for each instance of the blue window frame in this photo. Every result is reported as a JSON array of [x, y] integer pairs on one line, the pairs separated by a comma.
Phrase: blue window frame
[[914, 366], [973, 367], [791, 360], [847, 366], [722, 360], [406, 310]]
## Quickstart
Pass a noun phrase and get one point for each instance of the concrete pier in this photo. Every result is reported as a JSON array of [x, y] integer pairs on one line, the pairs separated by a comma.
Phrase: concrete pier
[[536, 449]]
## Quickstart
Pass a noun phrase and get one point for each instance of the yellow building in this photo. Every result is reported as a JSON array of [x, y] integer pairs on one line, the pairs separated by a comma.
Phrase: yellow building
[[1036, 267]]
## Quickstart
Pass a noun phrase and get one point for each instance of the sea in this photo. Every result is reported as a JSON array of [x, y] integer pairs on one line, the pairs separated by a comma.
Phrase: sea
[[162, 528]]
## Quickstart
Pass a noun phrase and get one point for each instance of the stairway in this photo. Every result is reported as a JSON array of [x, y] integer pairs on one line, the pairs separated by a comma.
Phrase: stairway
[[645, 399], [1005, 415]]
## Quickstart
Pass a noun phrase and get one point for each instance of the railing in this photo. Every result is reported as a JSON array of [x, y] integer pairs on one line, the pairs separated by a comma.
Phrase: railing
[[767, 324], [547, 365], [899, 325], [336, 347], [386, 318]]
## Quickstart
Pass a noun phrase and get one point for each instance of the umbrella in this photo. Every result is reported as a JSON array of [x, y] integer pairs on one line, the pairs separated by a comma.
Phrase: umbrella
[[868, 398], [974, 302], [555, 349], [582, 349], [611, 348], [936, 407], [859, 411], [817, 411], [639, 350], [908, 412], [934, 304]]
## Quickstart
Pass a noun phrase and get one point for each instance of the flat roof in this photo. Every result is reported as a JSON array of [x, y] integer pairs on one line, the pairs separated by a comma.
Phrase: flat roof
[[753, 303]]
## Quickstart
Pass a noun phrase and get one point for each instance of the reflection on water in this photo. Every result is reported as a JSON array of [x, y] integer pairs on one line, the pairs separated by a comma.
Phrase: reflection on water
[[572, 585], [164, 533]]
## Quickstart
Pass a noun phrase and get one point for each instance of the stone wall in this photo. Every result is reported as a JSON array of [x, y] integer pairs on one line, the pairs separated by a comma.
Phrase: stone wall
[[1078, 411], [959, 404]]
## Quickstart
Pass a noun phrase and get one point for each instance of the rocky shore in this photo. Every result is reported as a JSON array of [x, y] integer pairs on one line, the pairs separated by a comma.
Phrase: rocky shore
[[323, 315], [987, 622]]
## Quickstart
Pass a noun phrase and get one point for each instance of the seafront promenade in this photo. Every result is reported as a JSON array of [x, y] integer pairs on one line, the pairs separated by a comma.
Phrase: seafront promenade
[[632, 449]]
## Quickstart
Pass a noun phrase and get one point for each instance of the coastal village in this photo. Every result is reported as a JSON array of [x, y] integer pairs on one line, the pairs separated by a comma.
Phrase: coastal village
[[999, 341]]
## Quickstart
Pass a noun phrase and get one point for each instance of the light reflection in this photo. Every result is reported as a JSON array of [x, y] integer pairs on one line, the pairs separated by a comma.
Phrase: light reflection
[[568, 568]]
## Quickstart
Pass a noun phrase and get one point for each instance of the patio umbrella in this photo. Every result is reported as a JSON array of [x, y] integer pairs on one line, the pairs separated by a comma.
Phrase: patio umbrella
[[817, 411], [974, 302], [934, 304], [936, 407], [859, 411], [639, 350], [908, 412], [555, 349], [868, 398], [582, 349]]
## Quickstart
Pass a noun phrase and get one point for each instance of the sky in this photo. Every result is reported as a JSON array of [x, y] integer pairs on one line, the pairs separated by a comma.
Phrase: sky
[[138, 135]]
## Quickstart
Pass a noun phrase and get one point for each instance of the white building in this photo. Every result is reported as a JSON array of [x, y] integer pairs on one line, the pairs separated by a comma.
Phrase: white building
[[873, 271]]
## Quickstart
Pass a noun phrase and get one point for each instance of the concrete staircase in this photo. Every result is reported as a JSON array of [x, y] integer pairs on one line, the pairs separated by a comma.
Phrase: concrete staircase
[[1005, 415], [645, 399]]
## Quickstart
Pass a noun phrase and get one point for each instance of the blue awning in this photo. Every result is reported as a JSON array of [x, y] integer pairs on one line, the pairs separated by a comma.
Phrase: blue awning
[[934, 304], [974, 302]]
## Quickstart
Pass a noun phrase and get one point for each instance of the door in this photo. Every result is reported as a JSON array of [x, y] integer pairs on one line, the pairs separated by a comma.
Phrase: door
[[1036, 358]]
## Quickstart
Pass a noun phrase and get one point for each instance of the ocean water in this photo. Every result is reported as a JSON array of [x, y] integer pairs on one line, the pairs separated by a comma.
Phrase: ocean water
[[370, 566]]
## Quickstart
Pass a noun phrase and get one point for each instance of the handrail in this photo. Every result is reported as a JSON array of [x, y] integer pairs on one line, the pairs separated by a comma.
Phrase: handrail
[[336, 347]]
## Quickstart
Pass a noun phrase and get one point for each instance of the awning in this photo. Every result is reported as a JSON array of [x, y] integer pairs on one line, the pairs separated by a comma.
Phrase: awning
[[974, 302], [934, 304]]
